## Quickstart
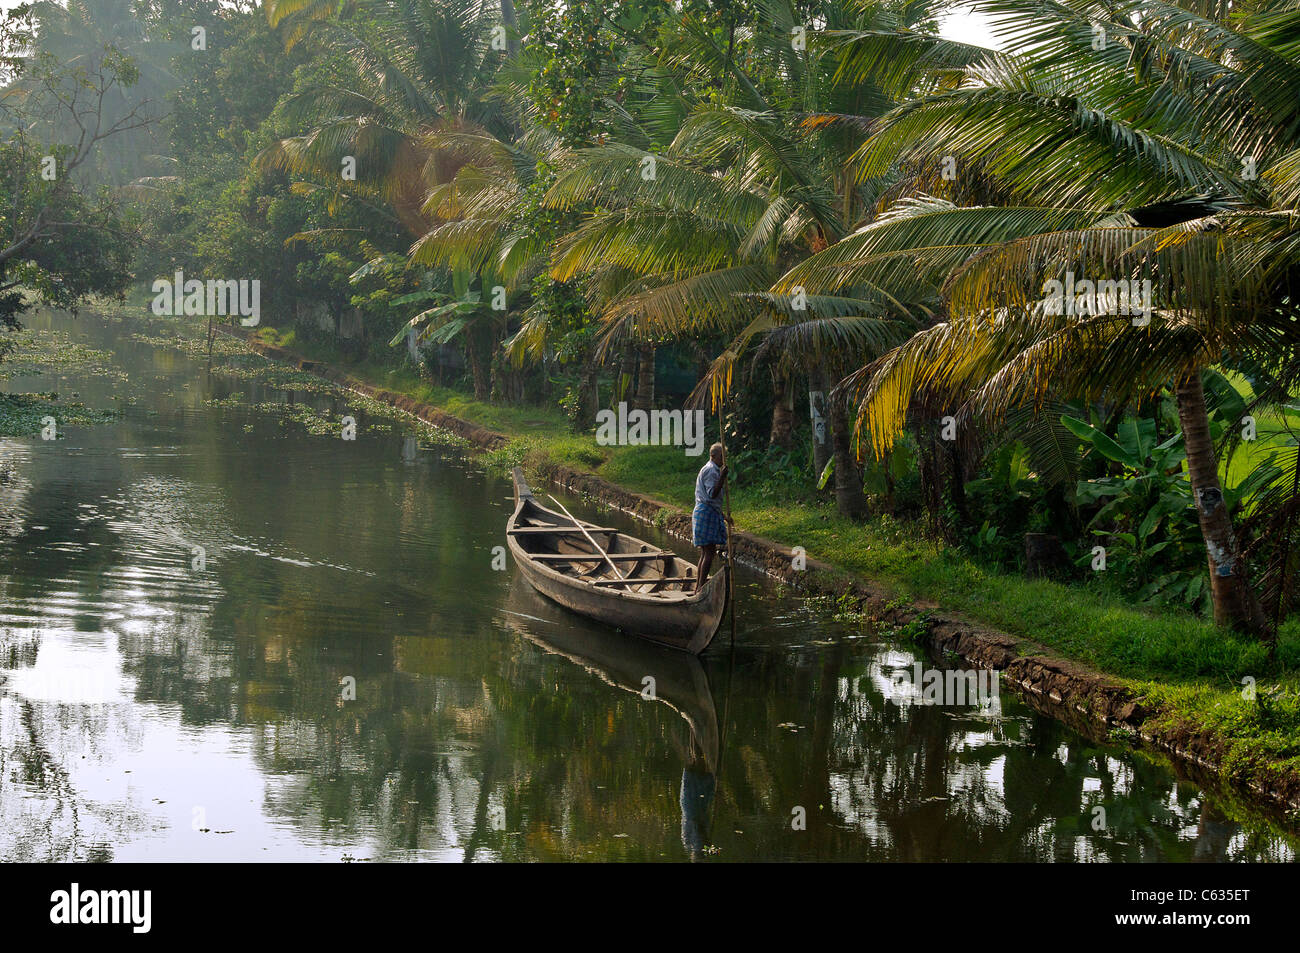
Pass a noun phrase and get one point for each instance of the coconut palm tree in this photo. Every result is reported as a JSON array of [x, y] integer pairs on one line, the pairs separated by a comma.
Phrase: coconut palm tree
[[686, 240], [1151, 142], [404, 71], [397, 119]]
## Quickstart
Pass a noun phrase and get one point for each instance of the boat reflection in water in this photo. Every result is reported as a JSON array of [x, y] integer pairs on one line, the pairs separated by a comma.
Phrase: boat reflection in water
[[679, 681]]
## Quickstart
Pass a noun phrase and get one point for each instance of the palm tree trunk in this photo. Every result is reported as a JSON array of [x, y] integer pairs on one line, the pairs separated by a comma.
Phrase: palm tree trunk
[[510, 20], [782, 433], [626, 375], [850, 501], [1235, 604], [479, 357], [820, 426], [957, 485], [645, 379], [588, 393]]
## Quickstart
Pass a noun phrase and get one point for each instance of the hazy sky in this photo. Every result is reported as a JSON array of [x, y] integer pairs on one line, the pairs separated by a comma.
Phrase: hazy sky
[[968, 28]]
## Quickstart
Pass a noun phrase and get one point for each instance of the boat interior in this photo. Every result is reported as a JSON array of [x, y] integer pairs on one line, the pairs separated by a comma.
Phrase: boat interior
[[628, 563]]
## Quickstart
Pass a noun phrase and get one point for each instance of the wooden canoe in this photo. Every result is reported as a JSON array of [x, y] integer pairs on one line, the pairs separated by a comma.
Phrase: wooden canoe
[[647, 596]]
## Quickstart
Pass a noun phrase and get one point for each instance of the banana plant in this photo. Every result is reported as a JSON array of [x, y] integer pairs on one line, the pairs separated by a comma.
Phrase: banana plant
[[441, 323], [1147, 519], [465, 317]]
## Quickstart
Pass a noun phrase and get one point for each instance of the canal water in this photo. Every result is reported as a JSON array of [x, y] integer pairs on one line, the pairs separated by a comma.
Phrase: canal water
[[226, 637]]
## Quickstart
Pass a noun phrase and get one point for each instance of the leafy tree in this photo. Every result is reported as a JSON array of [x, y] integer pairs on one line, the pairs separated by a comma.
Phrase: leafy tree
[[58, 238], [78, 34]]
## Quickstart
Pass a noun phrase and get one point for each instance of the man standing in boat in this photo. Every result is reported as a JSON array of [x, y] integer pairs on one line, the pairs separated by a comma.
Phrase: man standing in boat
[[708, 525]]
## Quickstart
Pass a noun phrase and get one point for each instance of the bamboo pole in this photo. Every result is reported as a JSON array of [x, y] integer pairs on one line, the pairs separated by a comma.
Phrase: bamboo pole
[[731, 568]]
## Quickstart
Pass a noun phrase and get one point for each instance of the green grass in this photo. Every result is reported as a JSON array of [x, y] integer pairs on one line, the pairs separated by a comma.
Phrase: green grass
[[525, 421], [1261, 735], [1088, 623]]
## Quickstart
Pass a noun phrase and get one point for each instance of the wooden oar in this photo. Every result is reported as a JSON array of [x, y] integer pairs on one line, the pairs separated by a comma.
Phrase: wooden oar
[[589, 537]]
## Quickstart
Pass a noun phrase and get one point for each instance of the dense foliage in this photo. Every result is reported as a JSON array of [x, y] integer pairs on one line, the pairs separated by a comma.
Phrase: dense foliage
[[765, 206]]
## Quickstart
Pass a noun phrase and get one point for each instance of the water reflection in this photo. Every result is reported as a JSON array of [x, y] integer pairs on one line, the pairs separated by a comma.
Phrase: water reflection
[[150, 709], [651, 672]]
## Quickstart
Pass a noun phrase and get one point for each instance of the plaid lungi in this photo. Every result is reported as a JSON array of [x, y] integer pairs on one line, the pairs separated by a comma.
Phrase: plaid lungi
[[707, 525]]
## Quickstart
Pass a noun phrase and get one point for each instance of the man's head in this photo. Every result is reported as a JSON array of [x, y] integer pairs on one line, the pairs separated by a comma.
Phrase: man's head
[[717, 454]]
